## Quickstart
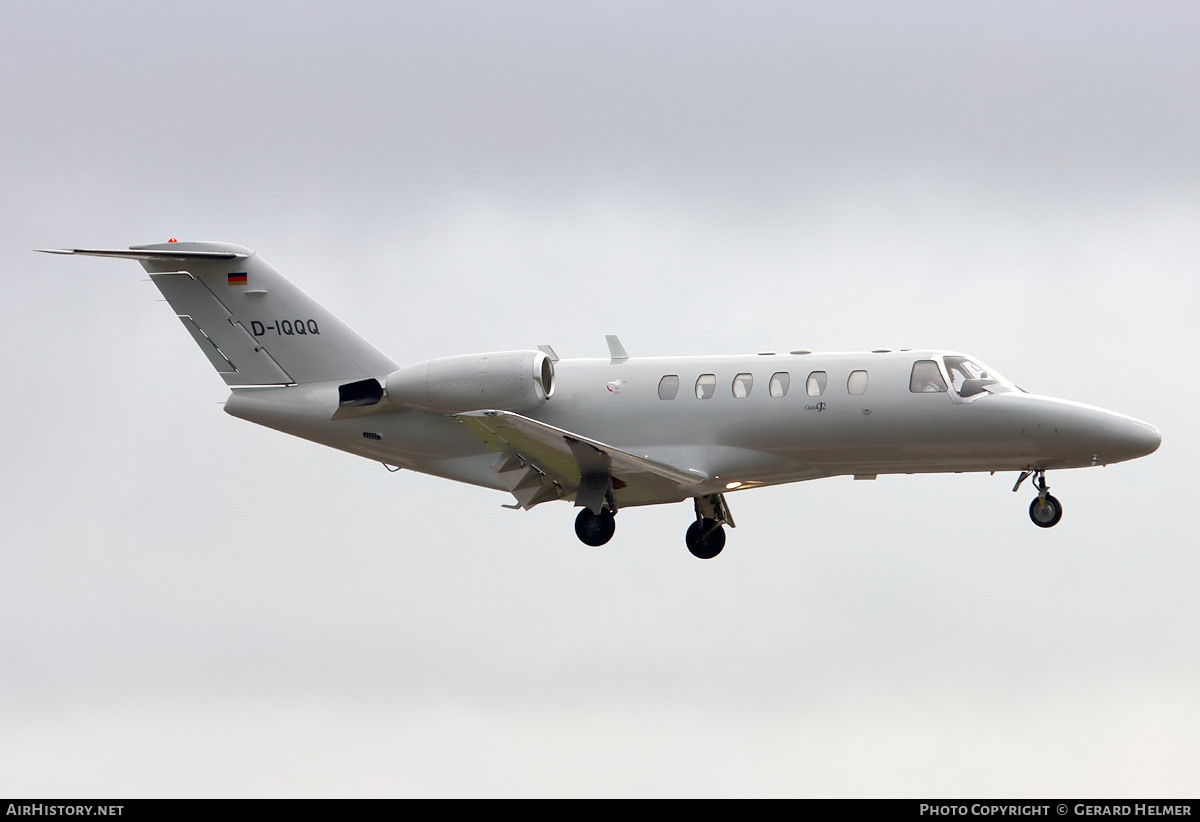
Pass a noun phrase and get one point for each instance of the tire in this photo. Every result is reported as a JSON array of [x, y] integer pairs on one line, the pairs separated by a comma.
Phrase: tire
[[705, 538], [1045, 514], [595, 529]]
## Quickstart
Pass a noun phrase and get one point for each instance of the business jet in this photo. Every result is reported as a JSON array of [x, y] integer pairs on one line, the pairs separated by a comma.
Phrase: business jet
[[619, 431]]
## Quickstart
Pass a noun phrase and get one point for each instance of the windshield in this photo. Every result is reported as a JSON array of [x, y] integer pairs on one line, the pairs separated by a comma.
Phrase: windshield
[[968, 377]]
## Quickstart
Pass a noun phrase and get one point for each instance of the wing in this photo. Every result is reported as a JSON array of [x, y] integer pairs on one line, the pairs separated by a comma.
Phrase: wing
[[544, 463]]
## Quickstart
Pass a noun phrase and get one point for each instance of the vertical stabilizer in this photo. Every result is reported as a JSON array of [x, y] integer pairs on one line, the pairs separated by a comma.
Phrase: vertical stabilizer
[[255, 327]]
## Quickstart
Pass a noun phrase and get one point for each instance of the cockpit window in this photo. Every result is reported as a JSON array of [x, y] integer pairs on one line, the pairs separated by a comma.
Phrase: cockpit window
[[969, 378], [926, 378]]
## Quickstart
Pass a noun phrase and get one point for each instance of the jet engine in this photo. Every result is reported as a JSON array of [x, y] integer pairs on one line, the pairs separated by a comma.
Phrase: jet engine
[[501, 380]]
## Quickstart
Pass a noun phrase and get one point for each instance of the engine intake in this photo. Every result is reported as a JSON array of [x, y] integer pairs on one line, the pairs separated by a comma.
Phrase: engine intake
[[502, 380]]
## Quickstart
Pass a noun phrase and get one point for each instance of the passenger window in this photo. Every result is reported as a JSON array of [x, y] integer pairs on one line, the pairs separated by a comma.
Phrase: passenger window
[[780, 382], [706, 386], [816, 383], [668, 387], [742, 384], [857, 384], [926, 378]]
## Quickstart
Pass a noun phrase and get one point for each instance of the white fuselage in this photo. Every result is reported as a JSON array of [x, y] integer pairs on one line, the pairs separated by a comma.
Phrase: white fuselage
[[742, 421]]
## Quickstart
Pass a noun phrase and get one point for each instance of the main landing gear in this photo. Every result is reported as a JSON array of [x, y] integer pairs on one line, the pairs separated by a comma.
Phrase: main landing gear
[[705, 537], [595, 529], [1045, 510], [597, 520]]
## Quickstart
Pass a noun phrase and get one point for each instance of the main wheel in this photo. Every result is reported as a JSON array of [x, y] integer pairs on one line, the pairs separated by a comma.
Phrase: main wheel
[[595, 529], [1045, 513], [705, 538]]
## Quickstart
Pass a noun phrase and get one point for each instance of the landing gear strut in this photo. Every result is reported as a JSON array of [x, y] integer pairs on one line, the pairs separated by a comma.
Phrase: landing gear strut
[[1045, 510], [706, 537]]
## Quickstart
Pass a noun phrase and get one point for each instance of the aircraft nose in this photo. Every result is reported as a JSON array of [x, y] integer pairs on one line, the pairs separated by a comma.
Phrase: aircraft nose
[[1123, 438], [1137, 438], [1085, 434]]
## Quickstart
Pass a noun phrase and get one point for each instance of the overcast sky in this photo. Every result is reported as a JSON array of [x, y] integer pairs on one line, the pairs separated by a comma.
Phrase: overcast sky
[[194, 606]]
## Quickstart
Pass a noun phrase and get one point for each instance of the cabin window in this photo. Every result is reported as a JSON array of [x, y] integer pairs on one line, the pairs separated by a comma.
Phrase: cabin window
[[857, 384], [926, 378], [742, 384], [780, 382], [816, 383], [668, 387], [706, 386]]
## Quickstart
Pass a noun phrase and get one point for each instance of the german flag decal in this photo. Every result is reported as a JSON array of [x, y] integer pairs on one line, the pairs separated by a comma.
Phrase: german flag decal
[[237, 279]]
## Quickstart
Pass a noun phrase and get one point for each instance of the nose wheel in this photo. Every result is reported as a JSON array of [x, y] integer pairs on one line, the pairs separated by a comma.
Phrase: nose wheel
[[1045, 510]]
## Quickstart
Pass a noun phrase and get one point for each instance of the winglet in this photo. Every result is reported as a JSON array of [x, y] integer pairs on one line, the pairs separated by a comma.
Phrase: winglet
[[615, 349]]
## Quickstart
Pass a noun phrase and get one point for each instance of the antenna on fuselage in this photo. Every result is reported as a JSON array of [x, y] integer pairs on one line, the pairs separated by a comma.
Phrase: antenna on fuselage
[[615, 349]]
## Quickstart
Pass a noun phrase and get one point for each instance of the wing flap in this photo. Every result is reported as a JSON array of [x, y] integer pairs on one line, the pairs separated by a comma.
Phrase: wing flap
[[563, 459]]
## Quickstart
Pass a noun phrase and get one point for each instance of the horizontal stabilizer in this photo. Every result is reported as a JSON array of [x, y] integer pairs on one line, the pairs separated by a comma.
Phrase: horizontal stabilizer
[[147, 254]]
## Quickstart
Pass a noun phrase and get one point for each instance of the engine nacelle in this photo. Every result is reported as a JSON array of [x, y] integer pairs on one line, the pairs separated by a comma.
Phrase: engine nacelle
[[500, 380]]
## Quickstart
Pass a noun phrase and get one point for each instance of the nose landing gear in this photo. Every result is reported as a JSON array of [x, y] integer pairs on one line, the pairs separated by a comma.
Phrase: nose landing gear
[[1045, 510]]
